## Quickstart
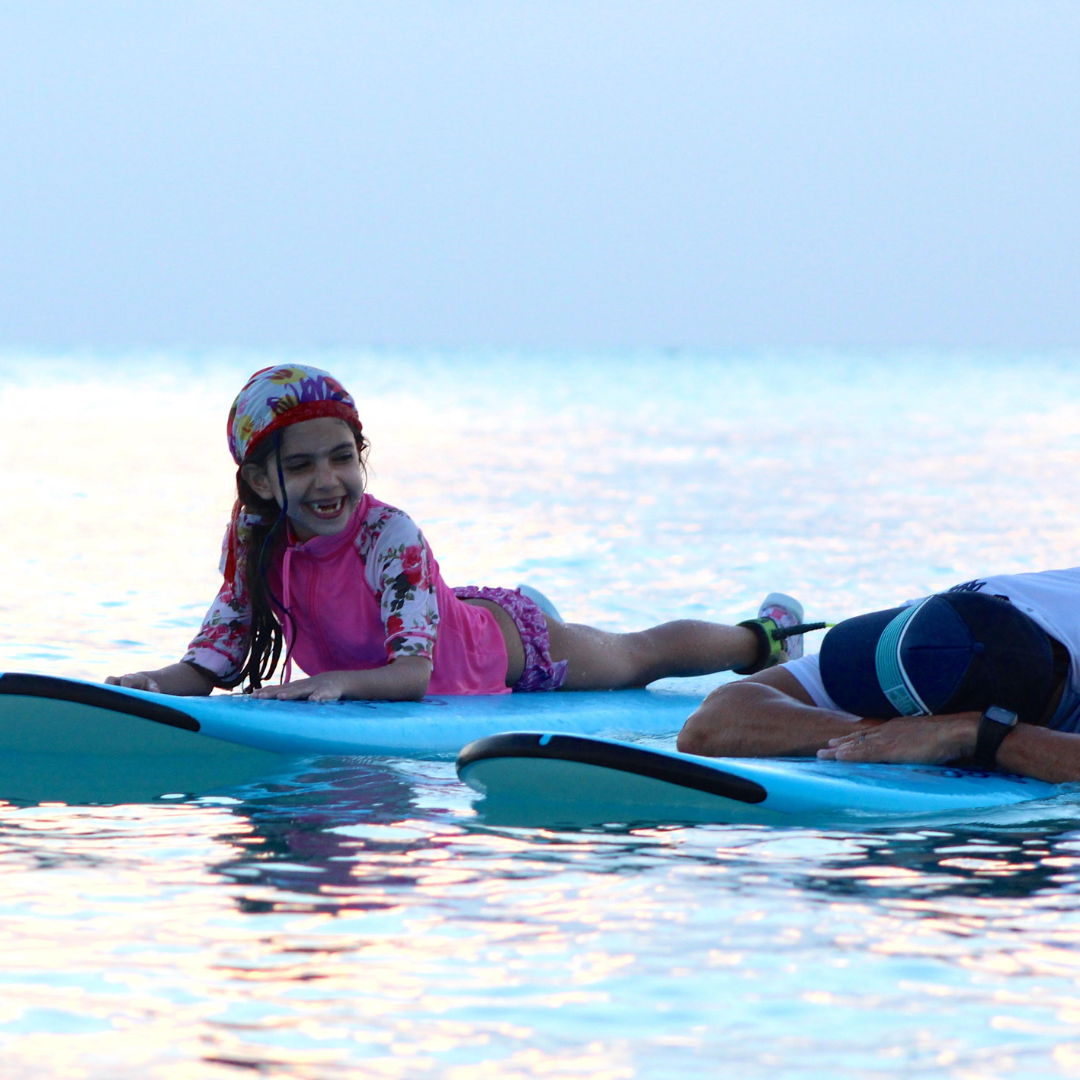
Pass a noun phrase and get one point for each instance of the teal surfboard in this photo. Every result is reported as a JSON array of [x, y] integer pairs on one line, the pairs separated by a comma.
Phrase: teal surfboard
[[554, 776], [74, 741]]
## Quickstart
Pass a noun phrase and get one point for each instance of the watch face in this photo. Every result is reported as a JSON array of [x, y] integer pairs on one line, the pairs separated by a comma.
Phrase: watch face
[[1000, 715]]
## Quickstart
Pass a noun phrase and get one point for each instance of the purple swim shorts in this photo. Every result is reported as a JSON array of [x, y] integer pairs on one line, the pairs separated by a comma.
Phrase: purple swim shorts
[[540, 673]]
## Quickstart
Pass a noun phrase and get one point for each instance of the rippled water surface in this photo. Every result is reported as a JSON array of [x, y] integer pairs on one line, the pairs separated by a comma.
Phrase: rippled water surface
[[356, 917]]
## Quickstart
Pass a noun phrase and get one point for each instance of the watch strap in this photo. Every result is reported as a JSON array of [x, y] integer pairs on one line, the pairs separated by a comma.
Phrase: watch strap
[[994, 724]]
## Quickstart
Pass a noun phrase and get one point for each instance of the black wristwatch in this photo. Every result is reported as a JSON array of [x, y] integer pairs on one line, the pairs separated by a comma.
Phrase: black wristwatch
[[994, 724]]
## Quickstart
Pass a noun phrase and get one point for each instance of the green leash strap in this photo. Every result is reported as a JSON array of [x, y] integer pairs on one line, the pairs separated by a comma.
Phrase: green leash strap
[[771, 637]]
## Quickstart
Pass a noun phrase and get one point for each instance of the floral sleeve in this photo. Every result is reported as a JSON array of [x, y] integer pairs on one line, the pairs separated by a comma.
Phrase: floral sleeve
[[399, 568], [221, 645]]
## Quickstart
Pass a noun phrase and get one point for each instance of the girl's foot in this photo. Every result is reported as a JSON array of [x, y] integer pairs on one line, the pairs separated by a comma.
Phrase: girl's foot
[[785, 611]]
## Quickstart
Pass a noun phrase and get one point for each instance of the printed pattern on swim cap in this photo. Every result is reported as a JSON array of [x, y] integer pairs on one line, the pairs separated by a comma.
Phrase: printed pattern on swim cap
[[276, 397]]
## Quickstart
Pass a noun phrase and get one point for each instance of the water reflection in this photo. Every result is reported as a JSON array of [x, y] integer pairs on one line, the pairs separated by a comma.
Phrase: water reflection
[[307, 929]]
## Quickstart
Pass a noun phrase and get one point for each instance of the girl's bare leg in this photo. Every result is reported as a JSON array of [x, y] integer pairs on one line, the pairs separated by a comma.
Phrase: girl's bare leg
[[601, 660]]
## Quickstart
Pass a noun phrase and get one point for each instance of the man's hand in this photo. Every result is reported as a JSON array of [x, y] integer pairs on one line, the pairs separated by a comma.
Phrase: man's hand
[[923, 740]]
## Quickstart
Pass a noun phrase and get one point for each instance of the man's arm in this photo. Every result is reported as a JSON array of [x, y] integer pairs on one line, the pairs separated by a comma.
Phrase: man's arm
[[769, 714], [1048, 755]]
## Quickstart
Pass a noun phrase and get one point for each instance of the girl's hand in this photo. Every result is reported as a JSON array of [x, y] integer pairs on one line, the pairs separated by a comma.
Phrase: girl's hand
[[404, 679], [180, 679], [923, 740], [329, 686], [138, 680]]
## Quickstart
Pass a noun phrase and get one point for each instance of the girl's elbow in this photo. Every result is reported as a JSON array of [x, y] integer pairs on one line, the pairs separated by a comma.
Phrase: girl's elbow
[[412, 689], [420, 683], [407, 678]]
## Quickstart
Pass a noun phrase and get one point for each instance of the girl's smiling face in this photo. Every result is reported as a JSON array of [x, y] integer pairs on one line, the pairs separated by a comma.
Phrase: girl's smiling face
[[323, 479]]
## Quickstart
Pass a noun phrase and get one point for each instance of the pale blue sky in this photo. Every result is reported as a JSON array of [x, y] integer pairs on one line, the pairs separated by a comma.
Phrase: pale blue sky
[[589, 173]]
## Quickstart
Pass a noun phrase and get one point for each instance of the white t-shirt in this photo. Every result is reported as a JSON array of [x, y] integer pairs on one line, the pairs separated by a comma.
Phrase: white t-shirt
[[1051, 598]]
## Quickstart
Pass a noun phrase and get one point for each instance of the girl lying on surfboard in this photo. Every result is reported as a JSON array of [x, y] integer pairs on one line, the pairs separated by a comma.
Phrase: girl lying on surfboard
[[986, 675], [319, 571]]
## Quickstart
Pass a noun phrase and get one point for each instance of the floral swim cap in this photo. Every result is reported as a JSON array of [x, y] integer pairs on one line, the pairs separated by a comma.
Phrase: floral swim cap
[[276, 397], [273, 399]]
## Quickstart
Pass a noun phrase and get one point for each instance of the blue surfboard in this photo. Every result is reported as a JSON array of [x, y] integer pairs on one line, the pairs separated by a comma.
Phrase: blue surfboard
[[74, 741], [550, 776]]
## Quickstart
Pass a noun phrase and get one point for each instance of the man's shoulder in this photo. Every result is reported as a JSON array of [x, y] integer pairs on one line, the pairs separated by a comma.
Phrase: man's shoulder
[[1065, 582]]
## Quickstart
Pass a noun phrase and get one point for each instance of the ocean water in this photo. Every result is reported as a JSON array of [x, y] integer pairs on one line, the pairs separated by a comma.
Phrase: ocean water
[[357, 917]]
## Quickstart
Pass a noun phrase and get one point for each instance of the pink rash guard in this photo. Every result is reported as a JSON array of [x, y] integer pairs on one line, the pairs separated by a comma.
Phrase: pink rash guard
[[360, 599]]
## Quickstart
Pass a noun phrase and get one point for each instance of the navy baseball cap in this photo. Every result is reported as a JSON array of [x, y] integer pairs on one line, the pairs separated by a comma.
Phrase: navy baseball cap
[[953, 652]]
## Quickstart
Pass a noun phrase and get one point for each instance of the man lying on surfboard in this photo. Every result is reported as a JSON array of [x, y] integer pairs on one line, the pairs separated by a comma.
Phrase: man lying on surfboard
[[986, 674]]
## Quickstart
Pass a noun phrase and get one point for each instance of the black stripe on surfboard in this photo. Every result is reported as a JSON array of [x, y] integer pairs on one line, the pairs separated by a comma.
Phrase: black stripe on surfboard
[[100, 697], [632, 759]]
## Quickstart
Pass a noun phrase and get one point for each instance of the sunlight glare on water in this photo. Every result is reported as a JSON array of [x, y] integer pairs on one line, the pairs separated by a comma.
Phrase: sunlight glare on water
[[354, 917]]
